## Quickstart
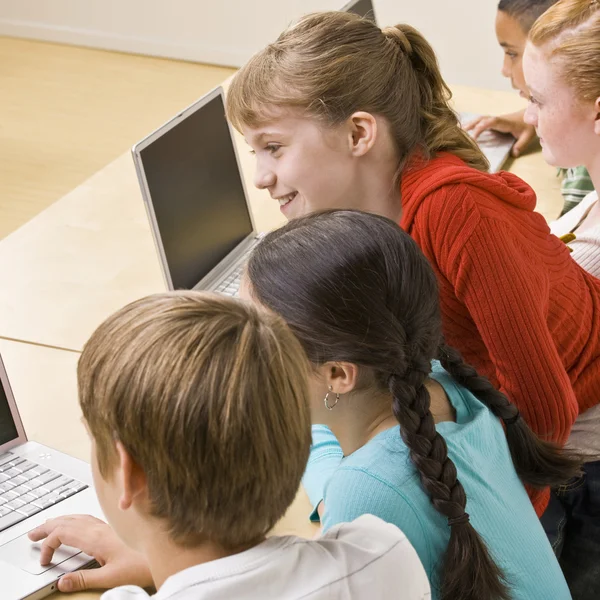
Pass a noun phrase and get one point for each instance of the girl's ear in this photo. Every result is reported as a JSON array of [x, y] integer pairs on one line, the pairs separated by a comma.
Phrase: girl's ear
[[597, 121], [362, 133], [341, 376]]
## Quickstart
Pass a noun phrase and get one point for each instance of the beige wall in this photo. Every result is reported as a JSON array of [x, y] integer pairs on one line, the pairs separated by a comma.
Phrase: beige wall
[[227, 32]]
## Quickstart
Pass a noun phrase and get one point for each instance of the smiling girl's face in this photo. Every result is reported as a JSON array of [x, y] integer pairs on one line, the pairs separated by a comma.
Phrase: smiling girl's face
[[304, 166]]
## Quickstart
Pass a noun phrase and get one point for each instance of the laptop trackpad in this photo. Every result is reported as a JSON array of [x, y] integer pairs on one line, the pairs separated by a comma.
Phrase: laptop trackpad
[[25, 554]]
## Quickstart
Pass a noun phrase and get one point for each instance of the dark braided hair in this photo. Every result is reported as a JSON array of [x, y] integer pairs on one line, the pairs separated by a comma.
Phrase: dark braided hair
[[354, 287]]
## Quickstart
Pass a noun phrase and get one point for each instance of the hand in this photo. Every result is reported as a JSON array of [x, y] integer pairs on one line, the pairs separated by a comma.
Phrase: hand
[[119, 564], [512, 123]]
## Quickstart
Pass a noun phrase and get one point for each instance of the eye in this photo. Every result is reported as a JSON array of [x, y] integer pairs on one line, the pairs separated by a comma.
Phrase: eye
[[511, 55], [533, 100], [252, 152], [272, 148]]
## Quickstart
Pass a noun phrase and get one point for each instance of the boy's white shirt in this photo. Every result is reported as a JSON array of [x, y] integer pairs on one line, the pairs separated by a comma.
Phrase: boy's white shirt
[[367, 559]]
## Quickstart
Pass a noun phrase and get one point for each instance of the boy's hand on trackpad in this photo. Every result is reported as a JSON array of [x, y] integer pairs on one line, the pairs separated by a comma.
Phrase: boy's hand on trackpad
[[119, 564]]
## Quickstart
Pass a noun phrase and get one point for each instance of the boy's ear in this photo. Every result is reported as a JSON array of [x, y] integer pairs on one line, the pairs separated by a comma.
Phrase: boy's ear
[[133, 479]]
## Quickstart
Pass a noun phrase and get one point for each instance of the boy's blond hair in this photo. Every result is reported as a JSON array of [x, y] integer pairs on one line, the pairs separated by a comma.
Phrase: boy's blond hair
[[210, 398]]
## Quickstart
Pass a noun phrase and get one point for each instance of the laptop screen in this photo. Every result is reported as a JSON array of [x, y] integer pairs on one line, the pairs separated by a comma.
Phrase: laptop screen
[[363, 8], [8, 429], [197, 193]]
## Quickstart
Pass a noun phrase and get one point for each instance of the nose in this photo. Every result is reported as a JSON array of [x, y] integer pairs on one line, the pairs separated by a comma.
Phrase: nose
[[506, 67], [263, 177]]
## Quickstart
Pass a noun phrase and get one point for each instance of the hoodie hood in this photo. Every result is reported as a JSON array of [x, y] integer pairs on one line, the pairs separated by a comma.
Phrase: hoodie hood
[[421, 178]]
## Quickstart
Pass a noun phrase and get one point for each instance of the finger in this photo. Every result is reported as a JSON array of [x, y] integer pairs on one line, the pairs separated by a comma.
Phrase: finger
[[482, 126], [470, 124], [85, 579], [55, 539], [522, 142], [44, 530]]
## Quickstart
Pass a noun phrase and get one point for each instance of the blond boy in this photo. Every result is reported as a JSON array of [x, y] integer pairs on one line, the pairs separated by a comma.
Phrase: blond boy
[[197, 408]]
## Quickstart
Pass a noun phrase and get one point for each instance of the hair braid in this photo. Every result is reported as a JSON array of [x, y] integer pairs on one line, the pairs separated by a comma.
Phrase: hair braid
[[478, 578], [537, 462]]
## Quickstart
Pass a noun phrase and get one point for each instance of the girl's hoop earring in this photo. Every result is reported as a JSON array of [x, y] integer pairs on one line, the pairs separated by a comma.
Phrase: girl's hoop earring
[[326, 399]]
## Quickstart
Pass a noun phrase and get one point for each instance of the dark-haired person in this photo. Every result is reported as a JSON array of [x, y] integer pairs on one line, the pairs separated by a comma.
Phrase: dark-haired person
[[514, 19], [422, 449]]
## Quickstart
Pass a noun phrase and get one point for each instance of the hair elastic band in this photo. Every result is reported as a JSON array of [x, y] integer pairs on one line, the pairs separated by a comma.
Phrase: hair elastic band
[[460, 520], [512, 420]]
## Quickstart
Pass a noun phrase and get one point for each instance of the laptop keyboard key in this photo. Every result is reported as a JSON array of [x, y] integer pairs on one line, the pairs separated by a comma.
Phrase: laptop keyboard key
[[57, 483], [3, 477], [26, 465], [12, 472], [14, 504], [38, 470], [49, 476], [6, 457], [47, 500], [6, 486], [10, 495], [4, 510], [20, 490], [19, 480], [27, 498], [37, 492], [28, 510], [10, 519]]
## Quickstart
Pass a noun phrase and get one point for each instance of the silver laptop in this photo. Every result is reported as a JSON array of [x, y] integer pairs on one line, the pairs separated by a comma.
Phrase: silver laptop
[[36, 484], [193, 189], [496, 146], [363, 8]]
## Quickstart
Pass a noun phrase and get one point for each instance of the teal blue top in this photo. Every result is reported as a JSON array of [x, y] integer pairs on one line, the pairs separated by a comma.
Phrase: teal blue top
[[380, 479]]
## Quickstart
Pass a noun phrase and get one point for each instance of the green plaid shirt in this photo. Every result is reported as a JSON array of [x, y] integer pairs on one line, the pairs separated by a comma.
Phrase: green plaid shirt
[[576, 184]]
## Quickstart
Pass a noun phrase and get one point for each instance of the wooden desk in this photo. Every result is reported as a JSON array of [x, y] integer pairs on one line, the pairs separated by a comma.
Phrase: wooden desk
[[92, 252], [44, 384]]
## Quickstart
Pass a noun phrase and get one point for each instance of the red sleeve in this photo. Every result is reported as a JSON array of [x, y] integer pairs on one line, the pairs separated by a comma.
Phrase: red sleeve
[[507, 300]]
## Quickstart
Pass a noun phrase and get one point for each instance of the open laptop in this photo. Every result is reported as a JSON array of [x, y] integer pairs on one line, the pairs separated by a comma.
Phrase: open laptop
[[36, 484], [496, 146], [363, 8], [194, 193]]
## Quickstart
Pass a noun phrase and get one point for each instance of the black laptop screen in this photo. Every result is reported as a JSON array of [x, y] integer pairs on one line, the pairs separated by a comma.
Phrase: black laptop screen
[[197, 193], [363, 8], [8, 431]]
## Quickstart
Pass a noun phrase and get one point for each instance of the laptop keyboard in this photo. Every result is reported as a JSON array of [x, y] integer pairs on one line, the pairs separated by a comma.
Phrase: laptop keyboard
[[230, 286], [26, 488]]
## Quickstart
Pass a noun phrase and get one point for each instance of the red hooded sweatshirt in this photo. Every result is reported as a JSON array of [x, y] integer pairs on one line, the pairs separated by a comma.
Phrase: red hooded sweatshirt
[[513, 301]]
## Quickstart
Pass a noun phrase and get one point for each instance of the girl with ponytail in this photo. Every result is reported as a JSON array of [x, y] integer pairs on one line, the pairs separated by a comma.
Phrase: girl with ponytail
[[343, 114], [423, 449]]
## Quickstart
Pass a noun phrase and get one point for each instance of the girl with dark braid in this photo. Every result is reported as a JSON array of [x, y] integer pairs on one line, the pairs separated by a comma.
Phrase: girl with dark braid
[[416, 441]]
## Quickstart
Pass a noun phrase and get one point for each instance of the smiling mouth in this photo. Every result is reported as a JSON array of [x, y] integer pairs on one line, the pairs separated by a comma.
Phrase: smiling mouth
[[284, 200]]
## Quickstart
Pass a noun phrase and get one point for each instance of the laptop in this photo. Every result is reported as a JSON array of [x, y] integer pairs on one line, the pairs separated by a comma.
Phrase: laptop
[[194, 193], [36, 484], [495, 145], [363, 8]]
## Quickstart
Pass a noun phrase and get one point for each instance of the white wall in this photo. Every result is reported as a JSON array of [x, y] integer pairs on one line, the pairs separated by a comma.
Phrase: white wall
[[227, 32]]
